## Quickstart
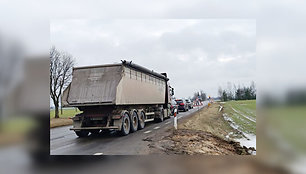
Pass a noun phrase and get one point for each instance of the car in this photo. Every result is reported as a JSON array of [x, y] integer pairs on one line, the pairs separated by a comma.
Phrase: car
[[173, 107], [189, 103], [182, 105]]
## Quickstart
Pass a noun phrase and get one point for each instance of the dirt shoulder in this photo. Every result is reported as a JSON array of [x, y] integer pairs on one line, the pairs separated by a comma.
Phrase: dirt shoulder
[[57, 122], [209, 119], [192, 142], [64, 117], [204, 132]]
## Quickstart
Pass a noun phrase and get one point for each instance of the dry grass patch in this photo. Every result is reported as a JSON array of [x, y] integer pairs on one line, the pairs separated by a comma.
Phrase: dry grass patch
[[56, 122], [209, 120]]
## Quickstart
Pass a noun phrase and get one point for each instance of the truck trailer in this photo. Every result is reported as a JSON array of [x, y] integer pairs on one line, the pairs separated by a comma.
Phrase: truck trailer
[[121, 97]]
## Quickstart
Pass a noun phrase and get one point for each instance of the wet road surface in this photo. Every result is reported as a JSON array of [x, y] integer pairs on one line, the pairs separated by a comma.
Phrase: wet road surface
[[65, 142]]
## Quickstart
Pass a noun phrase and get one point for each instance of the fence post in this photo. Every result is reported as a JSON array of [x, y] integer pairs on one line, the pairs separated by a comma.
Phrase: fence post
[[175, 119]]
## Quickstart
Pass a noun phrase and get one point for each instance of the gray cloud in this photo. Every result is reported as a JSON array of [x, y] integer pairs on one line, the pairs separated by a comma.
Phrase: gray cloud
[[196, 54]]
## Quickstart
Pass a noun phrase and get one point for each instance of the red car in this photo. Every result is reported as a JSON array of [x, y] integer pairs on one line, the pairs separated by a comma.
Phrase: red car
[[182, 105]]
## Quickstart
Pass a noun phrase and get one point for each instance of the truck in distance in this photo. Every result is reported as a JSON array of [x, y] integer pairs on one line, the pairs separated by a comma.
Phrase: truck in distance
[[119, 96]]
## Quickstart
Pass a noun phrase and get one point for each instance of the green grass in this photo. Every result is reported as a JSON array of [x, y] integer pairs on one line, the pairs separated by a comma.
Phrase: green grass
[[289, 122], [69, 112], [16, 125], [243, 113]]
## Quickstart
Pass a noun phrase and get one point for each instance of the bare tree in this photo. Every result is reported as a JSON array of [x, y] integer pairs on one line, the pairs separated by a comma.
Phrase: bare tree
[[61, 65]]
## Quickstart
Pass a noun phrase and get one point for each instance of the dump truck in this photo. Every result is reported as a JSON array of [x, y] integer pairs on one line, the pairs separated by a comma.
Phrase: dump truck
[[121, 97]]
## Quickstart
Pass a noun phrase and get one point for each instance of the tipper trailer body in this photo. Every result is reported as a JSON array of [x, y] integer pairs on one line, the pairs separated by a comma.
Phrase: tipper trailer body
[[119, 96]]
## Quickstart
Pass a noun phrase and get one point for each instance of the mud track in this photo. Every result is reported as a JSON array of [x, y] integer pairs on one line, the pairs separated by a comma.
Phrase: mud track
[[193, 142]]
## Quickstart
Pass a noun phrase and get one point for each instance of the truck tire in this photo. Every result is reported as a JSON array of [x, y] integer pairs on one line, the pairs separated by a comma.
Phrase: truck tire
[[82, 133], [141, 120], [161, 116], [126, 123], [134, 121]]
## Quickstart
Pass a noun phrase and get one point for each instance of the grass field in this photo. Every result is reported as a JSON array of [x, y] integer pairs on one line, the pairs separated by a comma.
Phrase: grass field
[[243, 113], [67, 112], [17, 124], [13, 130], [289, 122]]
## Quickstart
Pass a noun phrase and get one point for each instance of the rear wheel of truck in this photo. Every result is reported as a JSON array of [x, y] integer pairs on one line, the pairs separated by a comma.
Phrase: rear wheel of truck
[[125, 130], [134, 121], [141, 120], [82, 133]]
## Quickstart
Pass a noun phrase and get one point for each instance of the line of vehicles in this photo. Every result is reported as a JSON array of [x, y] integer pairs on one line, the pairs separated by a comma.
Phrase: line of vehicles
[[181, 105], [119, 97]]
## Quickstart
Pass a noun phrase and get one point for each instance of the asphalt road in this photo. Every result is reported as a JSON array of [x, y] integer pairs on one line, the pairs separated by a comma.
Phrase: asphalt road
[[65, 142]]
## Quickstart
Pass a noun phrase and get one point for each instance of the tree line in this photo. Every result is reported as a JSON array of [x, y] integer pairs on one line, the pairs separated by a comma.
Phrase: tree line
[[238, 93]]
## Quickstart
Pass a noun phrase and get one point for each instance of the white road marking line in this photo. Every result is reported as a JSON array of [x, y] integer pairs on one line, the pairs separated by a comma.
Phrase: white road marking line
[[157, 127], [98, 154], [168, 122], [146, 132]]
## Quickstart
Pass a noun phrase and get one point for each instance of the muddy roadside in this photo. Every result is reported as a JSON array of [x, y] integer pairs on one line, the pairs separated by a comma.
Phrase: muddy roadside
[[58, 122], [204, 132]]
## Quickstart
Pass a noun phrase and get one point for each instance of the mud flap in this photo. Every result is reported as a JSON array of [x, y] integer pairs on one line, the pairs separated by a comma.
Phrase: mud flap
[[118, 123]]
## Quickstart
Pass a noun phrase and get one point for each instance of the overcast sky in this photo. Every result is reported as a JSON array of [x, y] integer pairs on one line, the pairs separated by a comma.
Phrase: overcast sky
[[280, 29], [196, 54]]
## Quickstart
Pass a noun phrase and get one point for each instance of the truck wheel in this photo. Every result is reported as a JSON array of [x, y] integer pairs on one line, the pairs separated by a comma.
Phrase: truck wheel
[[134, 121], [161, 117], [82, 133], [125, 130], [141, 120]]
